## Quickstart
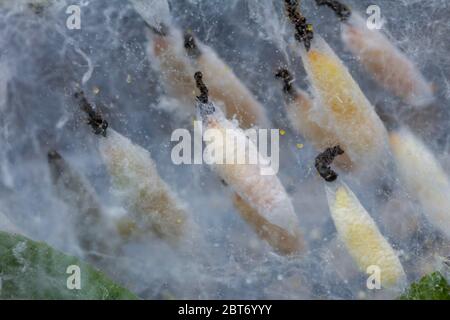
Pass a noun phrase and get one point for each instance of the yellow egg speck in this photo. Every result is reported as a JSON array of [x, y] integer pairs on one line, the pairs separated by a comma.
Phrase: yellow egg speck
[[282, 132], [300, 145]]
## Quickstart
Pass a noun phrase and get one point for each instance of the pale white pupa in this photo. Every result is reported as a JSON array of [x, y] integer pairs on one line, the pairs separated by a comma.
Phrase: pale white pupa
[[226, 87], [263, 201], [390, 67], [176, 60], [423, 177], [151, 205], [361, 236], [136, 181]]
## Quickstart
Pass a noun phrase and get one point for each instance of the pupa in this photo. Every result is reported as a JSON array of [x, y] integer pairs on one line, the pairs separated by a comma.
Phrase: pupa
[[262, 199], [342, 106], [225, 86], [357, 230], [153, 206], [299, 109], [423, 177], [178, 56], [390, 67], [93, 230]]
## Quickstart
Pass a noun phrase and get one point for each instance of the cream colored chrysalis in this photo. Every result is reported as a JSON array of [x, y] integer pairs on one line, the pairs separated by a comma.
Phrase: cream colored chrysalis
[[391, 68], [357, 230], [224, 86], [152, 205], [262, 199], [423, 177], [176, 56]]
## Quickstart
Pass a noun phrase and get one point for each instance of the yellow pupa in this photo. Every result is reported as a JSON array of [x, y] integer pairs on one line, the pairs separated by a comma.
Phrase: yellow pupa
[[262, 200], [423, 177], [342, 106], [137, 182], [391, 68], [361, 236]]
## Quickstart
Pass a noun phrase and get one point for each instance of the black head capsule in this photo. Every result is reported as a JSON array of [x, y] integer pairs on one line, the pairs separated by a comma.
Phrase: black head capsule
[[191, 46], [286, 77], [303, 30], [95, 119], [205, 106], [324, 160], [342, 11]]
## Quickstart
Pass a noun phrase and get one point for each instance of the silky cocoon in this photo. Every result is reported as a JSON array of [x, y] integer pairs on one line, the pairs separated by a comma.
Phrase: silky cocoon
[[391, 68], [342, 107], [137, 182], [273, 209], [423, 177], [176, 70], [361, 236]]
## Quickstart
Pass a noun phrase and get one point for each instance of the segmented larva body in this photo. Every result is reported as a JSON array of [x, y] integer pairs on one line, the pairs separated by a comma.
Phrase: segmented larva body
[[361, 236], [93, 230], [423, 177], [263, 200], [342, 107], [225, 86], [387, 64], [300, 113], [144, 193]]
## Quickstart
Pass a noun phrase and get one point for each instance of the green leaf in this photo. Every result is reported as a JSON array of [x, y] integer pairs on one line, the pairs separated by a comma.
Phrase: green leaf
[[431, 287], [33, 270]]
